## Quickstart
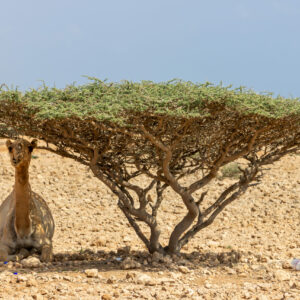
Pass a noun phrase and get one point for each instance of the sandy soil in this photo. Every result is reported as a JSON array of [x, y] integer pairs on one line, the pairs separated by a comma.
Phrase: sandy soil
[[244, 254]]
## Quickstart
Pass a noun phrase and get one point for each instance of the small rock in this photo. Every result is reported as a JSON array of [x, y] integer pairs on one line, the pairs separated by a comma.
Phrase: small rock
[[208, 285], [106, 297], [37, 297], [31, 282], [184, 269], [130, 275], [264, 286], [164, 280], [294, 285], [129, 263], [100, 242], [286, 265], [124, 250], [21, 278], [263, 297], [67, 278], [5, 276], [157, 257], [111, 280], [91, 273], [247, 295], [31, 262], [264, 259], [256, 267], [167, 259], [230, 271], [145, 279], [213, 244], [282, 275], [127, 239]]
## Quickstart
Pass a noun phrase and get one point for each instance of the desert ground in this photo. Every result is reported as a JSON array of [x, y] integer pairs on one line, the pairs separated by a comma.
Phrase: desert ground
[[244, 254]]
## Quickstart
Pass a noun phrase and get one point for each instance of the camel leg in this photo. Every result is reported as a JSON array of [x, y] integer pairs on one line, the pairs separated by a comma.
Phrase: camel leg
[[46, 254], [4, 251], [46, 249], [23, 253]]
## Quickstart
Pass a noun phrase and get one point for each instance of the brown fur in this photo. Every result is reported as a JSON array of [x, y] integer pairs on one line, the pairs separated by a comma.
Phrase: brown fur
[[25, 219]]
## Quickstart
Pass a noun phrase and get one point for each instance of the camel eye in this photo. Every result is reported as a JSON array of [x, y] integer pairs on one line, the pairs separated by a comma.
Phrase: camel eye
[[10, 148]]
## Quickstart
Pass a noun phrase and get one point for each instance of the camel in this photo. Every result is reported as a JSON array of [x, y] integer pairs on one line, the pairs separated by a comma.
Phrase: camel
[[26, 222]]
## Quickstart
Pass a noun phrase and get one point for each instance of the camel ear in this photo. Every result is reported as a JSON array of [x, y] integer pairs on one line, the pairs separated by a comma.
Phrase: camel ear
[[8, 145], [32, 145]]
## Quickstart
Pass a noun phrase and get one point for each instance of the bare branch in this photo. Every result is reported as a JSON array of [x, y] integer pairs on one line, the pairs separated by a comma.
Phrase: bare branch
[[133, 223]]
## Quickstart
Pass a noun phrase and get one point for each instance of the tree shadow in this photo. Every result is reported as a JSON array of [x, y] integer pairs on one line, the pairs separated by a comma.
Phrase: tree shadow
[[123, 259]]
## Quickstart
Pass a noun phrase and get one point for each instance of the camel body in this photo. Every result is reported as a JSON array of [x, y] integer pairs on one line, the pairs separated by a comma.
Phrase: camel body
[[41, 231], [26, 222]]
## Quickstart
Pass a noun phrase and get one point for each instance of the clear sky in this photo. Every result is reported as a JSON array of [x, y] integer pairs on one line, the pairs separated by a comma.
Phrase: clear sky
[[255, 43]]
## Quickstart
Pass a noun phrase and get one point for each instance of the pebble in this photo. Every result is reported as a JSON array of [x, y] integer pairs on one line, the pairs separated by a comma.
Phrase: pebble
[[184, 270], [129, 263], [37, 297], [31, 262], [91, 273], [21, 278], [208, 285], [282, 275], [157, 257], [145, 279]]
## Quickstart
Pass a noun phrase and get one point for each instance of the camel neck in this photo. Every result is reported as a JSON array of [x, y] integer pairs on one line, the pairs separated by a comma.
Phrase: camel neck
[[22, 198], [21, 176]]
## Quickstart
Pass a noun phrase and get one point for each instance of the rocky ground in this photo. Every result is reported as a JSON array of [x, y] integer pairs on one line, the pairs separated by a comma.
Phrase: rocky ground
[[244, 254]]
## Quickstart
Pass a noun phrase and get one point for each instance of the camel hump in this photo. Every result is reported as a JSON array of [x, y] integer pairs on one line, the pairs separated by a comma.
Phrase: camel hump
[[41, 214], [6, 208]]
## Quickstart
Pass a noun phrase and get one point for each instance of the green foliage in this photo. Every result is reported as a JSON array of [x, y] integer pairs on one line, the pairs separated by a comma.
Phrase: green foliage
[[113, 102], [231, 170]]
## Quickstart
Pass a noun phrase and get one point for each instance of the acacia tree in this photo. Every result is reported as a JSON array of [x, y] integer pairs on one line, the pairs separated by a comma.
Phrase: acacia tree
[[165, 131]]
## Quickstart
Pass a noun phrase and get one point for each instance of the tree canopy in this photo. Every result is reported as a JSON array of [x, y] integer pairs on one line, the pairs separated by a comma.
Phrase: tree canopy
[[112, 101]]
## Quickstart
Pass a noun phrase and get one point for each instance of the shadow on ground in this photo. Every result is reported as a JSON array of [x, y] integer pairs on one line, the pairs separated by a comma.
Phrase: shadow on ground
[[120, 260]]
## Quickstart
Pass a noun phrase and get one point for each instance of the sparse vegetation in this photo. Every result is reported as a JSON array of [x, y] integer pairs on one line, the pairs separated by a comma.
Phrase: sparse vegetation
[[165, 131], [232, 170]]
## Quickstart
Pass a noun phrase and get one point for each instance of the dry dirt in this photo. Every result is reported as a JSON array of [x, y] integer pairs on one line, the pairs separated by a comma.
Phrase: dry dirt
[[244, 254]]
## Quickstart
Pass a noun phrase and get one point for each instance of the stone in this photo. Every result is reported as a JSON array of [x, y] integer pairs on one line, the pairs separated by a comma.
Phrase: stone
[[167, 260], [184, 270], [37, 297], [247, 295], [31, 262], [164, 280], [21, 278], [208, 285], [145, 279], [111, 280], [213, 244], [282, 275], [263, 297], [129, 263], [92, 273], [31, 282], [157, 257], [286, 265]]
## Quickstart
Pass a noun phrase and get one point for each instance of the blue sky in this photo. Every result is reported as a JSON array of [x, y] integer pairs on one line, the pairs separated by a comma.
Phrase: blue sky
[[255, 43]]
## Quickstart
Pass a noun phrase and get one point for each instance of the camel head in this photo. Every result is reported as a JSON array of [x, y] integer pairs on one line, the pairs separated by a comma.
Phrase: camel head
[[20, 151]]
